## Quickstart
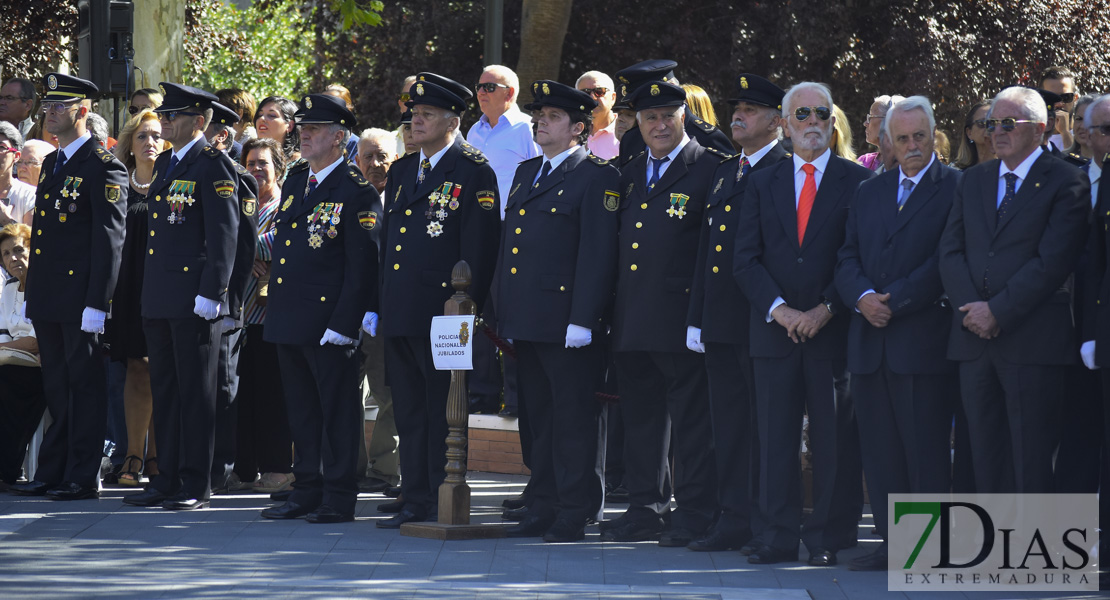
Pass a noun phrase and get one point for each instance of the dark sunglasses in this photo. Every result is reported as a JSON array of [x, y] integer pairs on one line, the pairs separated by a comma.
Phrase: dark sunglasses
[[405, 97], [1008, 124], [170, 116], [596, 92], [980, 123], [802, 112], [489, 88], [1068, 97], [134, 109], [1103, 129]]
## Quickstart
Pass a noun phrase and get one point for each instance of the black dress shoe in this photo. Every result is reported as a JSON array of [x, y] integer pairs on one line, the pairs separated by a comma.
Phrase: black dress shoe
[[72, 491], [281, 496], [514, 502], [750, 547], [184, 502], [515, 514], [393, 492], [289, 510], [718, 541], [676, 537], [30, 488], [638, 529], [373, 485], [565, 530], [767, 555], [872, 561], [392, 507], [395, 522], [822, 557], [530, 526], [327, 514], [150, 497]]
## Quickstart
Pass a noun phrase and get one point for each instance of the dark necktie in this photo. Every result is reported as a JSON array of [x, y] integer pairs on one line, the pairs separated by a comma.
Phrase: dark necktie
[[173, 163], [61, 161], [425, 166], [656, 166], [907, 189], [745, 166], [312, 183], [543, 173], [1008, 197]]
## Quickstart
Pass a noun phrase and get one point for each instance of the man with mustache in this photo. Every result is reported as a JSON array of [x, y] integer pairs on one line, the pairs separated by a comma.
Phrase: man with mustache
[[902, 386], [794, 215]]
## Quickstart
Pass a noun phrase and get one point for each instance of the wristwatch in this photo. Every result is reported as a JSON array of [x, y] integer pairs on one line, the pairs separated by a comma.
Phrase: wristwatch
[[828, 305]]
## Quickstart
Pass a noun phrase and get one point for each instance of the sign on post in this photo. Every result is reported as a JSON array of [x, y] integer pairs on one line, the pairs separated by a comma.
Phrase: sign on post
[[452, 339]]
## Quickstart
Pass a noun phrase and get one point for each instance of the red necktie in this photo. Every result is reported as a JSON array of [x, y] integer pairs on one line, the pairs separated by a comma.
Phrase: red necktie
[[805, 201]]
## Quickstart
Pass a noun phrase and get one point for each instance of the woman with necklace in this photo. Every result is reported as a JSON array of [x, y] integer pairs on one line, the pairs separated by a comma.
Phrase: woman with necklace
[[139, 144]]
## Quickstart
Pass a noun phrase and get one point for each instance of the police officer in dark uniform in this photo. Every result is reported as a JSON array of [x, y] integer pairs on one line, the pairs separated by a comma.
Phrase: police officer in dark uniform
[[322, 288], [78, 237], [662, 383], [194, 217], [558, 258], [441, 206], [227, 370], [632, 78], [1052, 101], [718, 320]]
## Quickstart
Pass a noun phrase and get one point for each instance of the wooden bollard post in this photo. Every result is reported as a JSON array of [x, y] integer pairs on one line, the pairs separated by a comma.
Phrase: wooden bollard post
[[454, 493]]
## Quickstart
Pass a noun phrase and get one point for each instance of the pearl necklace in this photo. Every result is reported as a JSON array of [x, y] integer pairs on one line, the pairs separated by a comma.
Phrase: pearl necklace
[[138, 185]]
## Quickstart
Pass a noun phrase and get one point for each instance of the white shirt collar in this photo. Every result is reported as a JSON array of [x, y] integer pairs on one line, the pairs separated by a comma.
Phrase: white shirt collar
[[560, 157], [434, 159], [820, 163], [673, 153], [1094, 171], [75, 145], [325, 171], [916, 179], [754, 157], [182, 151], [1022, 170]]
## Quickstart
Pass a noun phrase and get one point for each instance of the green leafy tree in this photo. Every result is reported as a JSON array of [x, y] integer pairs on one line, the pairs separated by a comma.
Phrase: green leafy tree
[[31, 34]]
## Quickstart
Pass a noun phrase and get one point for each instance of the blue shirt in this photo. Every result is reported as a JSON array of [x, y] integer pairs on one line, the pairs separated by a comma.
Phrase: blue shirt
[[506, 145]]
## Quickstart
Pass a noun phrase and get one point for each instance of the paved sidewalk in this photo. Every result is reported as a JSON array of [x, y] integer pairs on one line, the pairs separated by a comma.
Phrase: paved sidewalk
[[103, 549]]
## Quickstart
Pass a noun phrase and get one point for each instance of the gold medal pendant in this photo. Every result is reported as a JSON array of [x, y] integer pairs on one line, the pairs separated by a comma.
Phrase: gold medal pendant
[[315, 241], [435, 228]]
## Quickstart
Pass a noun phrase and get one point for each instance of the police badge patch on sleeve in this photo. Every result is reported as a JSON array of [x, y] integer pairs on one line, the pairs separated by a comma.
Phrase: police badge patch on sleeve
[[367, 219], [224, 188], [112, 193], [249, 205], [612, 200], [485, 199]]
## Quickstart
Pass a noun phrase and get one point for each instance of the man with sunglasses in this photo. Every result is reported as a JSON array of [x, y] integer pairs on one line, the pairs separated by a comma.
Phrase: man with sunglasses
[[793, 217], [79, 229], [1061, 81], [1016, 228], [191, 250], [603, 140]]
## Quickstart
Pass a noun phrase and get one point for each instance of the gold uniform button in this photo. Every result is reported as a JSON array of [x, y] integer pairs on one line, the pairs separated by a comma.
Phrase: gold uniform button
[[396, 266], [151, 233], [444, 284], [718, 247], [186, 269], [294, 226], [323, 299], [518, 231], [71, 271], [282, 261], [715, 269], [513, 270], [635, 245], [633, 267], [158, 198], [279, 279], [644, 206], [155, 215], [403, 230], [39, 232], [151, 251], [397, 247], [722, 227], [639, 225], [408, 212], [728, 207], [42, 213], [516, 250], [39, 251], [522, 212], [287, 242], [553, 209], [562, 288]]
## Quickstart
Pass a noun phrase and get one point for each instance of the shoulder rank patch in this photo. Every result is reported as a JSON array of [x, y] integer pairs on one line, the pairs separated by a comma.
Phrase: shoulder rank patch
[[112, 193], [612, 200], [104, 155], [356, 176], [367, 219], [788, 155], [224, 188], [473, 153], [704, 125], [299, 165], [240, 169], [724, 155], [249, 206], [212, 151], [486, 199], [597, 160]]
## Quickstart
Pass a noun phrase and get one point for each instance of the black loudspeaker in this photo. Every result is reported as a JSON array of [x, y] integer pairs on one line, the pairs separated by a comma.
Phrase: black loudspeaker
[[105, 32]]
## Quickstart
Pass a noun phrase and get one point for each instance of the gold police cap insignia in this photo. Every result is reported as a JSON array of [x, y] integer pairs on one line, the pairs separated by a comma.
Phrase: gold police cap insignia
[[52, 81], [162, 88], [654, 90], [624, 90], [535, 87], [419, 89], [744, 83], [623, 79], [308, 103], [546, 89]]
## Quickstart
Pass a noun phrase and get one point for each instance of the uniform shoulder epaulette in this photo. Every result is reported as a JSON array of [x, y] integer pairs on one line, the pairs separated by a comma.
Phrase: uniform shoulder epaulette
[[704, 125], [300, 165], [473, 153], [240, 169], [788, 155], [212, 151], [597, 160], [104, 155], [720, 153], [409, 156], [356, 175]]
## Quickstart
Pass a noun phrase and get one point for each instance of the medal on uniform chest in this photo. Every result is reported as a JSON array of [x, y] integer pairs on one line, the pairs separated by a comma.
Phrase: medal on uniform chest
[[324, 214], [438, 201], [288, 201], [67, 191], [678, 205], [334, 220], [181, 195], [435, 228]]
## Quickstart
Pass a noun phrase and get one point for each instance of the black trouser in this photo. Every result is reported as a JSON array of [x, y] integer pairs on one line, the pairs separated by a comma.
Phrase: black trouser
[[227, 406], [658, 389], [1077, 461], [785, 389], [731, 392], [21, 407], [557, 389], [420, 409], [183, 358], [1013, 417], [264, 444], [905, 424], [76, 390], [325, 414]]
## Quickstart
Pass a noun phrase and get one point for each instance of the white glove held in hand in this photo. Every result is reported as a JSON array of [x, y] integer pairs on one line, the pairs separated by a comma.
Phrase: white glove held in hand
[[331, 337], [370, 323], [1087, 351], [205, 308], [693, 340], [578, 336], [227, 324], [92, 320]]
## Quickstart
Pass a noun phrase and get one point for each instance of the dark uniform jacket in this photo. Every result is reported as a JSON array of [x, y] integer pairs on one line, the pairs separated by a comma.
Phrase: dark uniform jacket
[[422, 243], [1096, 318], [558, 248], [1020, 265], [324, 270], [769, 263], [717, 306], [194, 220], [246, 242], [632, 142], [658, 244], [895, 251], [76, 235]]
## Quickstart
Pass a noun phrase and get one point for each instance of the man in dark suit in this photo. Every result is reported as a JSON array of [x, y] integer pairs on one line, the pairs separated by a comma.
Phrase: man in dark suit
[[903, 388], [793, 218], [78, 225], [323, 287], [441, 206], [194, 219], [558, 258], [1016, 229], [662, 383], [717, 323]]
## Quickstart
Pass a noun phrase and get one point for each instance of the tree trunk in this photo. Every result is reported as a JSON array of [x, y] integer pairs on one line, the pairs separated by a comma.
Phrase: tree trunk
[[543, 25]]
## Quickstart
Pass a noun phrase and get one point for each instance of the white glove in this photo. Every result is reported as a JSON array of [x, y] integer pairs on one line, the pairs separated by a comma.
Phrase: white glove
[[92, 320], [331, 337], [227, 324], [205, 308], [23, 313], [578, 337], [370, 323], [693, 340], [1087, 351]]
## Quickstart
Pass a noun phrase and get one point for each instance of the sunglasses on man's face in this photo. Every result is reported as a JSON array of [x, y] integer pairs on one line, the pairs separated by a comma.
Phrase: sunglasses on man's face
[[802, 112], [1104, 130], [596, 92], [489, 87], [1068, 97], [1008, 124]]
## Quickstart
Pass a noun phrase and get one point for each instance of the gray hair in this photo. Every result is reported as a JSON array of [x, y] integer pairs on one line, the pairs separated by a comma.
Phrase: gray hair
[[386, 140], [801, 87], [907, 104], [506, 74], [1031, 103], [600, 78], [1098, 101], [98, 127], [886, 102], [681, 109], [9, 131], [38, 147]]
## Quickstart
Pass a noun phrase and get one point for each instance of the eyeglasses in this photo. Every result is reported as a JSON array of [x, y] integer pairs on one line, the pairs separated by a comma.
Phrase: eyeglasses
[[8, 149], [405, 97], [1008, 124], [57, 106], [596, 92], [490, 87], [136, 109], [13, 99], [869, 117], [802, 112], [980, 123], [1102, 129], [170, 116], [1068, 97]]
